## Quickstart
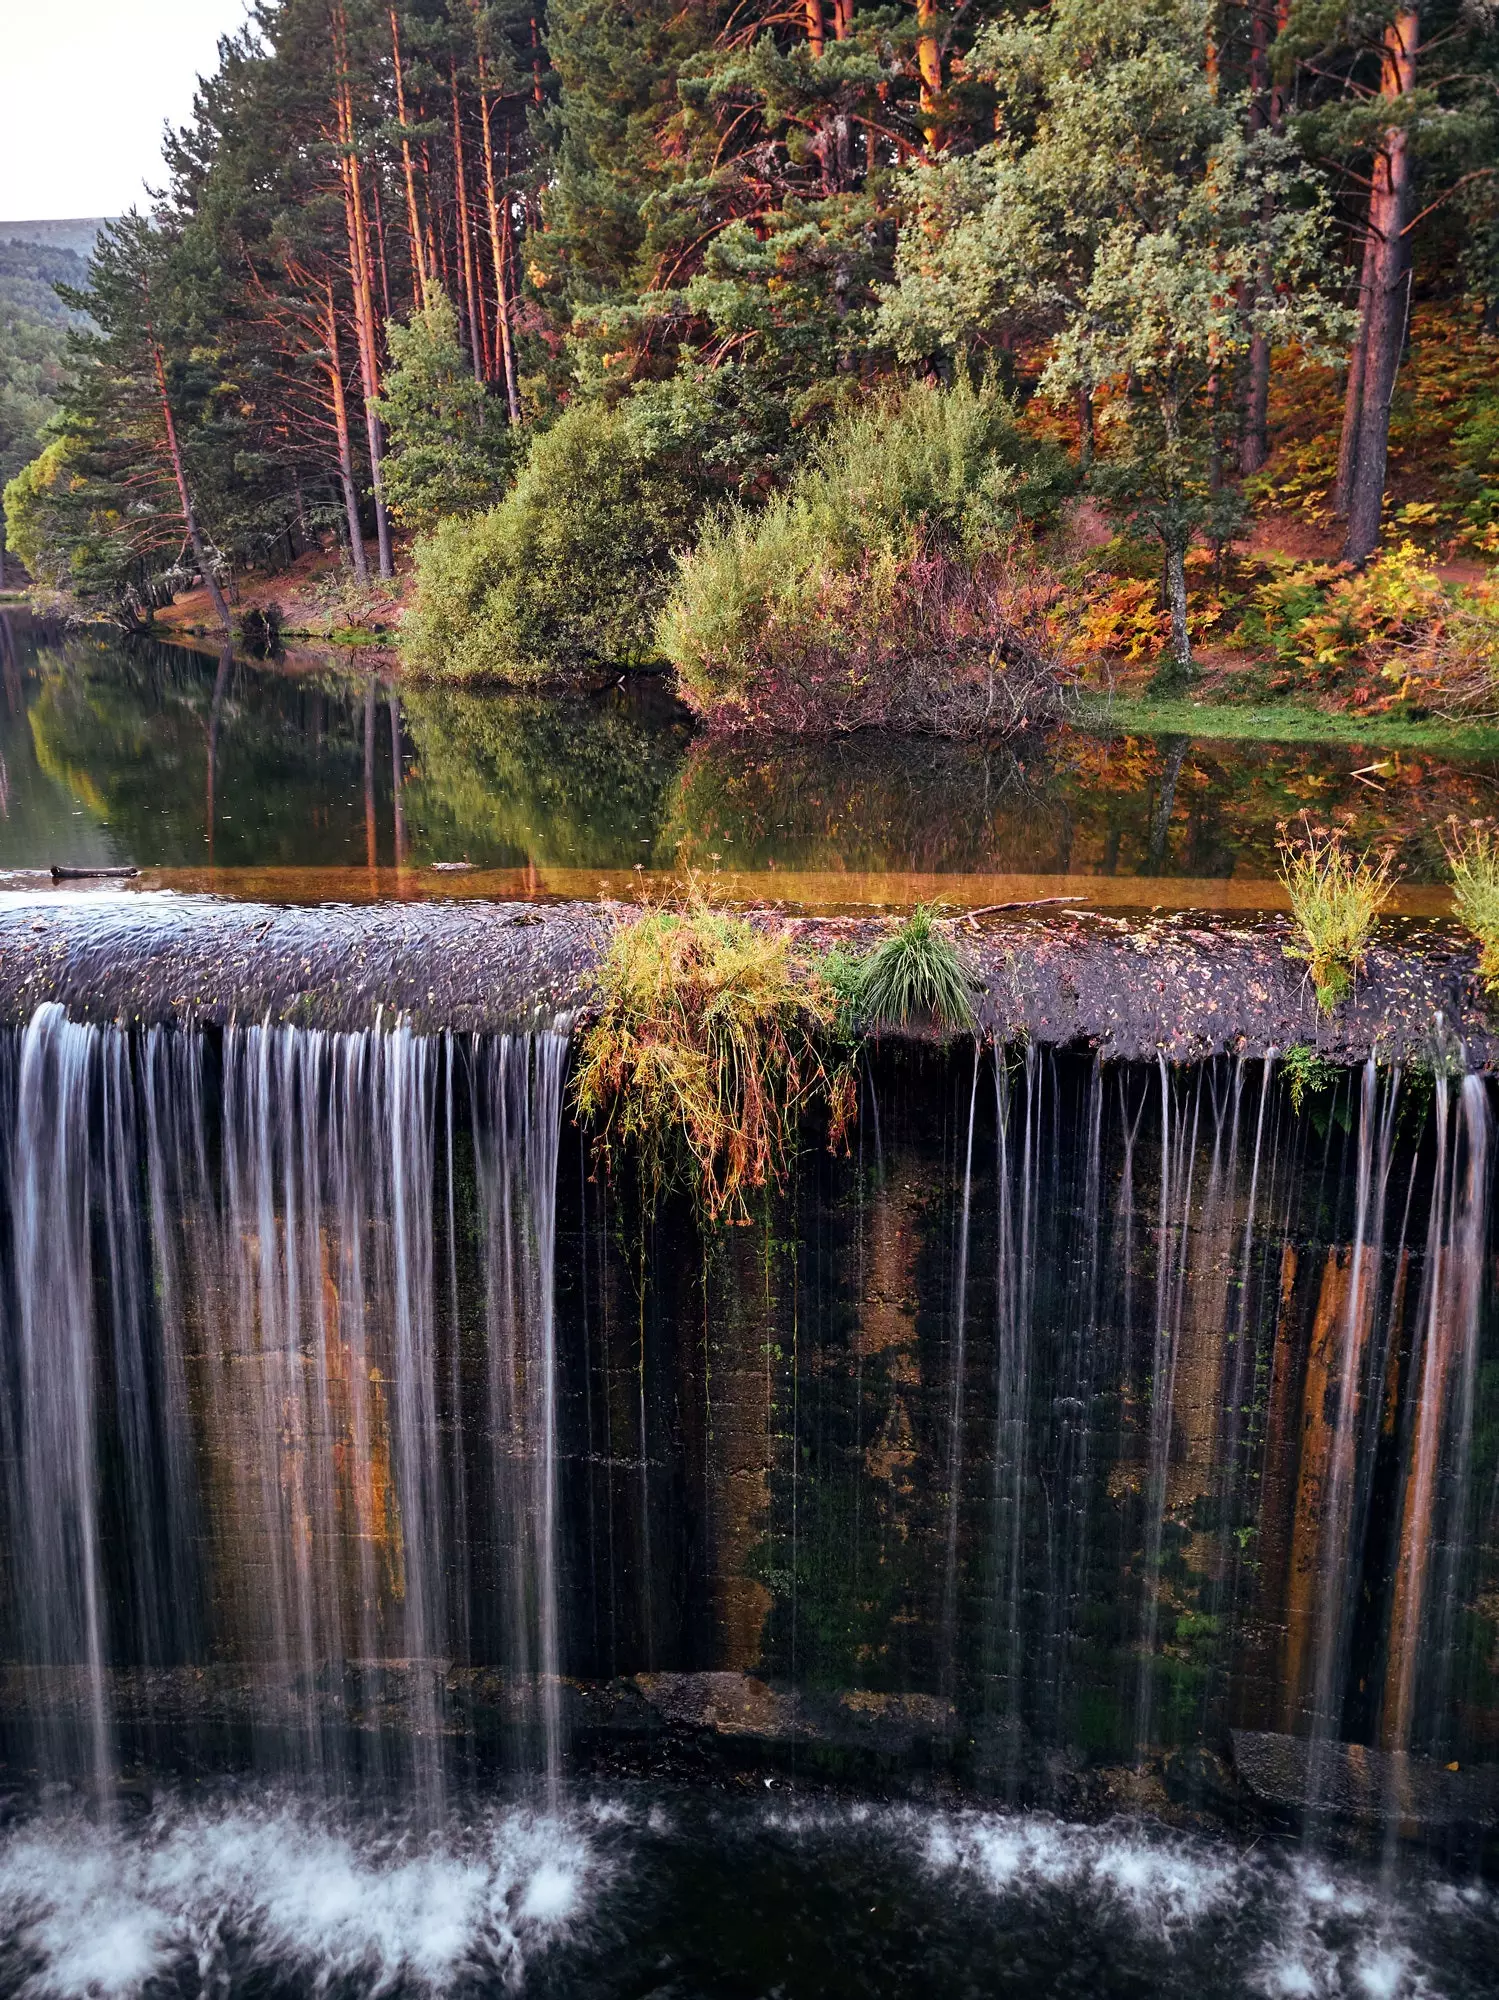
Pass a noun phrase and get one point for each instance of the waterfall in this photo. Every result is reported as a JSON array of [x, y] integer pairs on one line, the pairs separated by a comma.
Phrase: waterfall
[[224, 1334], [1017, 1187], [1168, 1414], [517, 1086], [52, 1406]]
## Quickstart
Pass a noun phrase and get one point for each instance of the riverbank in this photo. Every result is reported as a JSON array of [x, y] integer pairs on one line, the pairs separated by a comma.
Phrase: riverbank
[[1181, 987]]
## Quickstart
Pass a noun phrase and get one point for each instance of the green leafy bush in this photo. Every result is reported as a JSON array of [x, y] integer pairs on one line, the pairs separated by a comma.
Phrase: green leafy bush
[[707, 1042], [878, 587], [568, 571]]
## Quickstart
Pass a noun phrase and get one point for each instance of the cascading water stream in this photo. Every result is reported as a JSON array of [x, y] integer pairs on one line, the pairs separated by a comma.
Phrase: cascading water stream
[[517, 1094], [54, 1497], [222, 1331], [958, 1365]]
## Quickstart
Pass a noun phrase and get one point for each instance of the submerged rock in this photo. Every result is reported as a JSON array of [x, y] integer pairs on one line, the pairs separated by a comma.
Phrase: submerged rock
[[1353, 1781]]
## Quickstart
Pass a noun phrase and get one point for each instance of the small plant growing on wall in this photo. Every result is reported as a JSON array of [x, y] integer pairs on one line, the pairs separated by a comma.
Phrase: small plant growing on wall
[[1307, 1074], [1473, 855], [1336, 897], [915, 974], [709, 1041]]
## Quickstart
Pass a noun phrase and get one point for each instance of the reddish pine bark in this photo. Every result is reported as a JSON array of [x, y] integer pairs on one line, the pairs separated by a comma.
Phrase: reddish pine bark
[[1384, 306]]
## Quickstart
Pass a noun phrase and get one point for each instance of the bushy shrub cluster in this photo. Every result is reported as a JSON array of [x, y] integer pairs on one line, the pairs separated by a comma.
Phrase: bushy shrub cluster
[[882, 586], [567, 573], [707, 1043]]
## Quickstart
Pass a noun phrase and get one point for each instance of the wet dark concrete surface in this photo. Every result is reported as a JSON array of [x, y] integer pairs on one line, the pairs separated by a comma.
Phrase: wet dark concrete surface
[[1181, 985]]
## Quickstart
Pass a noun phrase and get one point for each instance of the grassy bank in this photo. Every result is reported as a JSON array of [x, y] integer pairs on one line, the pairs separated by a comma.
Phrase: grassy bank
[[1284, 722]]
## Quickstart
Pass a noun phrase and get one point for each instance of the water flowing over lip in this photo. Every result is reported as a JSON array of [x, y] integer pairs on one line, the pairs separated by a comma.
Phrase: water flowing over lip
[[88, 1911]]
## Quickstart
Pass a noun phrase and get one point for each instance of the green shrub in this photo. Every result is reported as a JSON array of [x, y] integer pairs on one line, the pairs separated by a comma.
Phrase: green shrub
[[1335, 898], [916, 974], [32, 502], [877, 588], [568, 571]]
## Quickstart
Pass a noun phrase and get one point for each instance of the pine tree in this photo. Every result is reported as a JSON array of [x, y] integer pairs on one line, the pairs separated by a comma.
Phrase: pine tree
[[1406, 114], [450, 448]]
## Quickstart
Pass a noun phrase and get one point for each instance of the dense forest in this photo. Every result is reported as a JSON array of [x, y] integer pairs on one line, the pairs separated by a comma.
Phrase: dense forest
[[869, 362]]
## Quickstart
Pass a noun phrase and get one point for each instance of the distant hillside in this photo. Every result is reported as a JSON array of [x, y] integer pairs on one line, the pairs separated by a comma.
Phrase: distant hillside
[[76, 233], [28, 272]]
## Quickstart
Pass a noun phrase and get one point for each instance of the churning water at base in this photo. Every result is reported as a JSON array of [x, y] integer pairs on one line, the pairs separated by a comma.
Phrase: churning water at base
[[682, 1893], [232, 1897]]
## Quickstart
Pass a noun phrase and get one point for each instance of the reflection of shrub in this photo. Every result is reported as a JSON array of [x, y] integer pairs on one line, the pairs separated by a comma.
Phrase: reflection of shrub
[[875, 590], [916, 974], [1335, 898], [866, 801], [1474, 856], [705, 1049], [569, 570], [510, 778]]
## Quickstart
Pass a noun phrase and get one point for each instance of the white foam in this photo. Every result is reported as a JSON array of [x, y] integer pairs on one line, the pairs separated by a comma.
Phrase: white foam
[[1157, 1882], [99, 1914]]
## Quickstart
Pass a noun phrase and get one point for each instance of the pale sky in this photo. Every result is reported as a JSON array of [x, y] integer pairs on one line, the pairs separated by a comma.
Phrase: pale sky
[[85, 87]]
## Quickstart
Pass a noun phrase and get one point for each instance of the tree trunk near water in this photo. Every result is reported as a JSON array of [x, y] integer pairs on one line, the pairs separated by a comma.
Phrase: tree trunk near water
[[179, 473], [1353, 389], [1176, 600]]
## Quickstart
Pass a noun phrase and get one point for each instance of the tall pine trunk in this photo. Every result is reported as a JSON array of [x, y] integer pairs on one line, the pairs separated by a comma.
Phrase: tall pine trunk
[[179, 475], [816, 32], [929, 68], [496, 237], [413, 219], [340, 405], [465, 235], [1386, 301], [360, 277]]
